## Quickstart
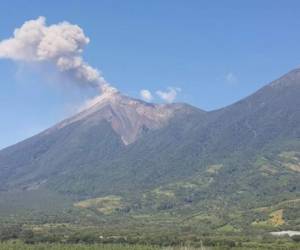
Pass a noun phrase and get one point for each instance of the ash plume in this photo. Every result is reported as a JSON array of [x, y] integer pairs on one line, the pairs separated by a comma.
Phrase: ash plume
[[60, 45]]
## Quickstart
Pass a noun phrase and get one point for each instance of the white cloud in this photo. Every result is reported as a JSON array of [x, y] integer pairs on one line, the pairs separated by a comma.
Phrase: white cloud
[[169, 95], [231, 78], [146, 95], [59, 44]]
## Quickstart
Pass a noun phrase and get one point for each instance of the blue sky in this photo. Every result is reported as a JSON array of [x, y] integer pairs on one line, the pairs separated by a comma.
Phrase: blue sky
[[216, 52]]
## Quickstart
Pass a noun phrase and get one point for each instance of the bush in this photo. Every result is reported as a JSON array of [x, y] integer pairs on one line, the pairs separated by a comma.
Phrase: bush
[[10, 232], [296, 238]]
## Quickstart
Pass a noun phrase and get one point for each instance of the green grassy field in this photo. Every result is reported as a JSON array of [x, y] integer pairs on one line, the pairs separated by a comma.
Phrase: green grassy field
[[22, 246], [18, 245]]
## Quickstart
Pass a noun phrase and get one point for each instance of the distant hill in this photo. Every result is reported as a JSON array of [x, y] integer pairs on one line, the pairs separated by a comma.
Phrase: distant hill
[[124, 157]]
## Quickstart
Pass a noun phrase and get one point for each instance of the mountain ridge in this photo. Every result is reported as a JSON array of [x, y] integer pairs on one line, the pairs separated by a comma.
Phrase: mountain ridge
[[247, 154], [125, 113]]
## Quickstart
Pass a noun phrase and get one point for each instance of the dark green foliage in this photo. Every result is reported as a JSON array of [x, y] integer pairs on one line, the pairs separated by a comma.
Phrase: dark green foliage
[[296, 238], [8, 232]]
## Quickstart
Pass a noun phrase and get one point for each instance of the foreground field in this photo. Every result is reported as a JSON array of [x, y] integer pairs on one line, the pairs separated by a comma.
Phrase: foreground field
[[22, 246], [17, 245], [70, 237]]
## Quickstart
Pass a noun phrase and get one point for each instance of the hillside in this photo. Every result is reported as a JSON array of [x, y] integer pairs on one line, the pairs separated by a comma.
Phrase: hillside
[[124, 158]]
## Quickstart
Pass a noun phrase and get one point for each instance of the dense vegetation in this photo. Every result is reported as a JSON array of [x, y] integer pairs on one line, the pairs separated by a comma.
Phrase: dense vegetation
[[19, 245], [45, 246], [66, 236]]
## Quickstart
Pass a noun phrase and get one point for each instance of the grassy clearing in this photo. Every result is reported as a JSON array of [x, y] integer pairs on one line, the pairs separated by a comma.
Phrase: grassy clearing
[[291, 160], [105, 205], [277, 218]]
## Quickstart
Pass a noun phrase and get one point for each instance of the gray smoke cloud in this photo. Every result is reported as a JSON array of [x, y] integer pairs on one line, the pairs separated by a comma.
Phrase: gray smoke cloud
[[59, 44]]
